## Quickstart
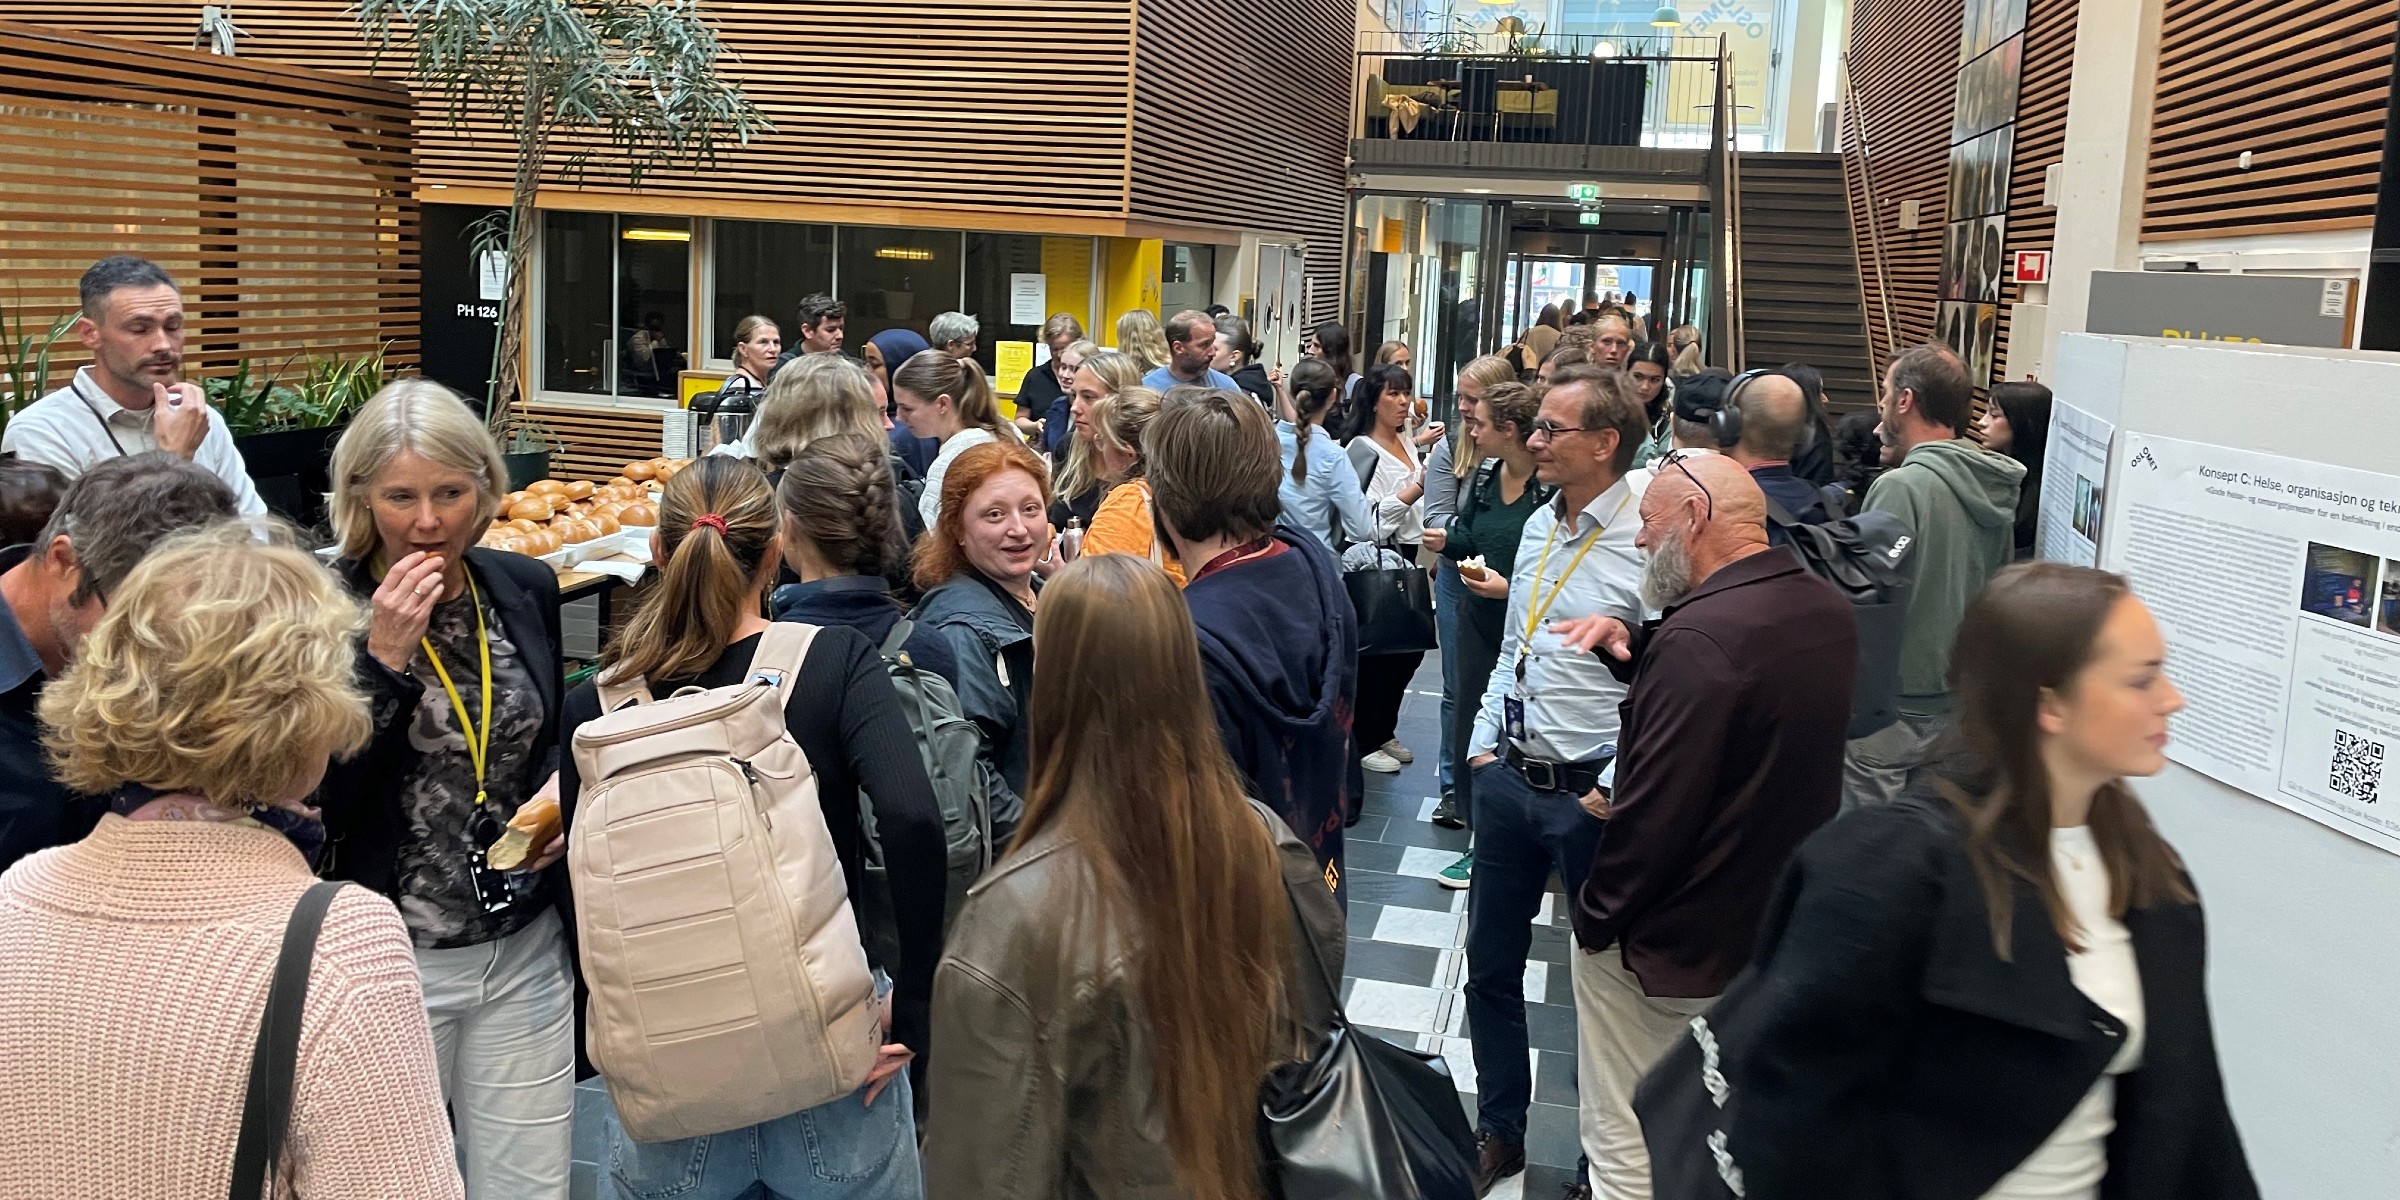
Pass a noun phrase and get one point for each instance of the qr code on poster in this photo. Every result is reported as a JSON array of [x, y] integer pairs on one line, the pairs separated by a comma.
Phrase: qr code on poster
[[2357, 766]]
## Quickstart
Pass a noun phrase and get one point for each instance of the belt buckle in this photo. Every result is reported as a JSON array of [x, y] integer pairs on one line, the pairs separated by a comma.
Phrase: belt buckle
[[1541, 774]]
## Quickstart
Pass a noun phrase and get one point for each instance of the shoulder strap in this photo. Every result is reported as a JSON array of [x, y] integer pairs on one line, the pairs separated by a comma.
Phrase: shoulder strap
[[1780, 515], [267, 1108], [782, 649], [614, 696], [898, 637]]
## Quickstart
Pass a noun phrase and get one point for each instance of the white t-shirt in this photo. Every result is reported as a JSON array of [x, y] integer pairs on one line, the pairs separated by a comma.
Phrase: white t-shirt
[[2071, 1164]]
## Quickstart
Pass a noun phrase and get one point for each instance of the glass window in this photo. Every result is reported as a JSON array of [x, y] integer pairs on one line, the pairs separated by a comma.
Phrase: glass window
[[897, 279], [1187, 278], [991, 259], [765, 267], [654, 302], [578, 337]]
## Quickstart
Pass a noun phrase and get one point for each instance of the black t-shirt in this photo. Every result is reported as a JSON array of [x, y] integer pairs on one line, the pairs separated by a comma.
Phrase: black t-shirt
[[847, 720]]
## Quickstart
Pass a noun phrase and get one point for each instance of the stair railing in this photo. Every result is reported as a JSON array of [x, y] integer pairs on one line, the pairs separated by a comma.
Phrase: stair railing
[[1854, 114], [1726, 132]]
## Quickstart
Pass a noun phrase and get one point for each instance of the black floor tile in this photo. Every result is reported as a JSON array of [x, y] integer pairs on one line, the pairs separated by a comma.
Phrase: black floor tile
[[1550, 1027], [1391, 962], [1554, 1079], [1545, 1182], [1412, 832], [1397, 1037], [1397, 805], [1552, 944], [1361, 857], [1360, 920], [1370, 828], [1408, 891], [1551, 1137]]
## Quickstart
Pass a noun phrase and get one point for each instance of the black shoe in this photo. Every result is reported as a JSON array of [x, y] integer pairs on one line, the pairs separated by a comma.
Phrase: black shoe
[[1496, 1160], [1445, 814], [1578, 1190]]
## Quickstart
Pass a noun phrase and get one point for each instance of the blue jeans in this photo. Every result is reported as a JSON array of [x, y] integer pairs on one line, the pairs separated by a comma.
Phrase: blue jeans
[[1521, 835], [1449, 598], [839, 1150]]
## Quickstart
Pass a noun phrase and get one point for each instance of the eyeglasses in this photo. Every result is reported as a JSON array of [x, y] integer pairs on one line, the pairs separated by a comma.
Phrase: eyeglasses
[[1551, 429], [1675, 460]]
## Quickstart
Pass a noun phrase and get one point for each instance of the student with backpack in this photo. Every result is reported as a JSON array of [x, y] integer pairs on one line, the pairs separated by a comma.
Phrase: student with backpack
[[701, 832]]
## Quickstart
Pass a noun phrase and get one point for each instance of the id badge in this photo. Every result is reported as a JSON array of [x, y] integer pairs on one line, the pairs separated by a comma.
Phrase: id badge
[[1512, 715]]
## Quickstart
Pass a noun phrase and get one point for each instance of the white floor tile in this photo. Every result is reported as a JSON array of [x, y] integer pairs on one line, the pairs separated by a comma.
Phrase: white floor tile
[[1511, 1188], [1425, 811], [1426, 862], [1537, 982], [1549, 899], [1417, 927], [1394, 1005], [1459, 1053]]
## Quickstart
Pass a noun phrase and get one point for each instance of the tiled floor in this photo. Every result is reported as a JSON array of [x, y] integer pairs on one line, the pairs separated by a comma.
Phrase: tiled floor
[[1406, 962]]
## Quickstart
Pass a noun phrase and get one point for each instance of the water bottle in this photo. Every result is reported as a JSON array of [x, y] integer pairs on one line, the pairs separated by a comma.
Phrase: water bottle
[[1071, 542]]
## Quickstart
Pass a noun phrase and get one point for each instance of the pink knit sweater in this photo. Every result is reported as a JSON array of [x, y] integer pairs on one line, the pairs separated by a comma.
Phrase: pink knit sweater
[[133, 966]]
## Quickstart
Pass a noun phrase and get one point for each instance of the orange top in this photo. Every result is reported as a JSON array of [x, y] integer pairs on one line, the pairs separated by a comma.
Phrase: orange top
[[1123, 526]]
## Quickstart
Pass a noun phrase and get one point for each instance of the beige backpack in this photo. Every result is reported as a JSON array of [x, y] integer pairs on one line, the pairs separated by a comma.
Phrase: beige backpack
[[728, 982]]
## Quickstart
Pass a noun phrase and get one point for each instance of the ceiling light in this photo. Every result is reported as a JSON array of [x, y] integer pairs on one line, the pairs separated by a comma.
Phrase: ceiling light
[[1478, 191], [905, 253], [658, 235], [1666, 17]]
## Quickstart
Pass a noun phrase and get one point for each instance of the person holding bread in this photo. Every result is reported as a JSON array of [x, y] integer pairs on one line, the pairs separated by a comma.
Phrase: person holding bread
[[1481, 540], [460, 665]]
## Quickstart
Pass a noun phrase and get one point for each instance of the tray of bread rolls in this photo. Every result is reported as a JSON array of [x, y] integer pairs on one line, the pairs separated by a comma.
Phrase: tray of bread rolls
[[567, 522]]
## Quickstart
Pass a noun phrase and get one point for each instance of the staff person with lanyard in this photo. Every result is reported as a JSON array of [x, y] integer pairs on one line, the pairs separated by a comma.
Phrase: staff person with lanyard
[[1545, 742], [461, 670], [130, 399]]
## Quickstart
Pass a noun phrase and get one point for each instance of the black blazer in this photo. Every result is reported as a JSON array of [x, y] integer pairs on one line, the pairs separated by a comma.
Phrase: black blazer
[[361, 796], [1892, 1053]]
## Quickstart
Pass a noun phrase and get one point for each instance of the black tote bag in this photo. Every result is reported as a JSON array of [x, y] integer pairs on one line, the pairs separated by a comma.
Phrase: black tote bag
[[1394, 608], [1364, 1119]]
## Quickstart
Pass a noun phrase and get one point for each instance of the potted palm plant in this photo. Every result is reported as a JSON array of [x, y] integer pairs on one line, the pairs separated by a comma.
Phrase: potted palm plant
[[286, 430]]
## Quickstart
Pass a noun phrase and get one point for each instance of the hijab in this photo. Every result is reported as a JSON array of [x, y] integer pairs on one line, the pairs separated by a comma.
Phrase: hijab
[[897, 346]]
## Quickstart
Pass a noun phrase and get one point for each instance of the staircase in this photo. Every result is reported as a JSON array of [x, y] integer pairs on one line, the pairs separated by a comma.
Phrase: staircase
[[1801, 299]]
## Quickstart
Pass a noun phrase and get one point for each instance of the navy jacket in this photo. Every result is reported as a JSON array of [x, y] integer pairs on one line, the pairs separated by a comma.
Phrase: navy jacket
[[864, 603], [1280, 650], [993, 643], [1798, 496]]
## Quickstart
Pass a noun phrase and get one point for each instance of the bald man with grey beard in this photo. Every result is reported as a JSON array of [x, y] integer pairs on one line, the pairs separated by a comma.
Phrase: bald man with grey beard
[[1730, 755]]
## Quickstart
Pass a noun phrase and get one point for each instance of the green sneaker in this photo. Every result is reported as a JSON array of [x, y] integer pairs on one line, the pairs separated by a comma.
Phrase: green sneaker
[[1455, 875]]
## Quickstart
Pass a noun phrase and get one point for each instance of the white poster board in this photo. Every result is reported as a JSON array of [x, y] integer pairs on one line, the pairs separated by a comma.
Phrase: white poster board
[[2266, 573], [2074, 486], [1028, 296]]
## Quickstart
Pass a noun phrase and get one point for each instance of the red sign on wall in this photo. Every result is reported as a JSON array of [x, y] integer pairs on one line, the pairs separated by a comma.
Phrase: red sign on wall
[[2033, 266]]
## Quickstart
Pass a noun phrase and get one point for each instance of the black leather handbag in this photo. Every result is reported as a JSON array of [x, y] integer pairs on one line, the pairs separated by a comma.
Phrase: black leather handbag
[[1364, 1119], [1394, 607]]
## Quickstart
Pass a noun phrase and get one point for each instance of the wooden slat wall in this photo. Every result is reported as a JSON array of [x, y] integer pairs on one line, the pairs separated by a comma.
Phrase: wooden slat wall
[[1242, 117], [1011, 105], [281, 199], [2041, 140], [2301, 84], [600, 441], [1903, 62]]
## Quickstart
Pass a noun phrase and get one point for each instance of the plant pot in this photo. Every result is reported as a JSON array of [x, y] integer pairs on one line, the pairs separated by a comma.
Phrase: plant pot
[[526, 466], [291, 469]]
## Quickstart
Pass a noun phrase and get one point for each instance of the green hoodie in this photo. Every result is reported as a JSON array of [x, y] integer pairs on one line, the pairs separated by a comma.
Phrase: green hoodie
[[1961, 500]]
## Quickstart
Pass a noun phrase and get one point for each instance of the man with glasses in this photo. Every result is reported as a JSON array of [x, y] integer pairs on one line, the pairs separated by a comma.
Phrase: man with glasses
[[53, 591], [1546, 738], [1731, 754]]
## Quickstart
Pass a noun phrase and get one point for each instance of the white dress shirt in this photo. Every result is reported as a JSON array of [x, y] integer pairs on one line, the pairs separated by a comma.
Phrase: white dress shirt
[[80, 424], [1571, 699]]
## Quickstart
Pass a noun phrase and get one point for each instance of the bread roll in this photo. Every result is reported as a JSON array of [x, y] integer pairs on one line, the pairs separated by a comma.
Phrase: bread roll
[[580, 489], [638, 514], [640, 472], [528, 834], [608, 523], [547, 487], [529, 509]]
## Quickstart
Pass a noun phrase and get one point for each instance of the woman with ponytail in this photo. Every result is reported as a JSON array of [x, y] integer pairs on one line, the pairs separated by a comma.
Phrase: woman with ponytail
[[950, 400], [700, 627], [1124, 523], [1320, 487], [1119, 985], [1994, 987]]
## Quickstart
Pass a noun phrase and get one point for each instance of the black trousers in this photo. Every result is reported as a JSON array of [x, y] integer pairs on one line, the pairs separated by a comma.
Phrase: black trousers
[[1382, 686]]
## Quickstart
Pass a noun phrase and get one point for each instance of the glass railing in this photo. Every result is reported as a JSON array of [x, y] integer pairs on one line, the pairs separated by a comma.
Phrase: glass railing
[[1500, 87]]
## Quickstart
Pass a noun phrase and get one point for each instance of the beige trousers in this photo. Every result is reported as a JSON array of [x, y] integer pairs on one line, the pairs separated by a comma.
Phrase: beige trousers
[[1619, 1034]]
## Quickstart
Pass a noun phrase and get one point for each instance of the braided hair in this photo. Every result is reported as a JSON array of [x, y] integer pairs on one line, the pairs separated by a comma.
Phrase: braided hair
[[838, 494], [1314, 383]]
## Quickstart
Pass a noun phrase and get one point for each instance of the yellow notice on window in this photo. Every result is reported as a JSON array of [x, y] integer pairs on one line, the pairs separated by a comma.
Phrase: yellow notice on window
[[1015, 359]]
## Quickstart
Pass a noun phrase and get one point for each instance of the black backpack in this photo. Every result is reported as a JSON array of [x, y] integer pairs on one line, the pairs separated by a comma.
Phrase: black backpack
[[1871, 559]]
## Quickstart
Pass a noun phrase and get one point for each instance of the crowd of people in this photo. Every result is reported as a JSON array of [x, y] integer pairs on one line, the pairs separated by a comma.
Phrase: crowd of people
[[1075, 706]]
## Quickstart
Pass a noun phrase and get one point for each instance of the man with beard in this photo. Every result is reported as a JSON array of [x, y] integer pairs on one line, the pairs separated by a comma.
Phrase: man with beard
[[1731, 753], [1546, 735], [132, 397]]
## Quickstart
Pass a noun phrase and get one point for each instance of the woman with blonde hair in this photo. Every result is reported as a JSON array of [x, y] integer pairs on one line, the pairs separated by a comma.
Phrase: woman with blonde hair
[[1080, 481], [462, 670], [950, 400], [757, 343], [1123, 524], [204, 706], [700, 627], [1140, 336], [815, 396], [1451, 464], [1117, 988]]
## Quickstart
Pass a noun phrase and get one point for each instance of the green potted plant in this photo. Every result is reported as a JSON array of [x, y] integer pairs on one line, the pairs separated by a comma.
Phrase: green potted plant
[[286, 430], [28, 351], [636, 78]]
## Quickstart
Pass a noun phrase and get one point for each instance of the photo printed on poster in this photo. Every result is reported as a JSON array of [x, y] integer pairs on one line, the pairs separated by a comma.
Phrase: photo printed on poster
[[1974, 273]]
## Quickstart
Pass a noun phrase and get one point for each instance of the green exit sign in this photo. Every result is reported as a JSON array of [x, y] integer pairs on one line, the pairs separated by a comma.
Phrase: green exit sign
[[1587, 218], [1585, 192]]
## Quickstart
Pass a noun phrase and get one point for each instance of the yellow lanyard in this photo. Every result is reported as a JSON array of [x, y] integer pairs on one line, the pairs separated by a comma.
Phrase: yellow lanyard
[[478, 738], [1533, 616]]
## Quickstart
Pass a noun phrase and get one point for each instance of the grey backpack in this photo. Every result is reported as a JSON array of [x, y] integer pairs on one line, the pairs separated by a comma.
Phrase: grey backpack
[[948, 742]]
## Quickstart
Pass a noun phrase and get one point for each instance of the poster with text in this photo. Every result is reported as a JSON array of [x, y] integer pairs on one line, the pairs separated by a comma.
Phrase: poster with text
[[2268, 576], [2074, 484]]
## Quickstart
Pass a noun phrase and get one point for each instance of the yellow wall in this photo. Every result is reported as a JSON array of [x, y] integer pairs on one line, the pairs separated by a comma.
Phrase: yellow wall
[[1129, 280]]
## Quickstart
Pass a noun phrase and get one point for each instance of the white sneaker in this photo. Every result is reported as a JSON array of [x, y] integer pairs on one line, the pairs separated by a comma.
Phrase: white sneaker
[[1399, 752], [1381, 763]]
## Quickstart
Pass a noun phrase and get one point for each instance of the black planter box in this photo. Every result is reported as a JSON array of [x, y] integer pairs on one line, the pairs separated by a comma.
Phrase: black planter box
[[292, 470]]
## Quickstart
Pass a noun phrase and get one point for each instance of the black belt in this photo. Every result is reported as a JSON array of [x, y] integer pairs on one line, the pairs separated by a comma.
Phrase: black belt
[[1543, 775]]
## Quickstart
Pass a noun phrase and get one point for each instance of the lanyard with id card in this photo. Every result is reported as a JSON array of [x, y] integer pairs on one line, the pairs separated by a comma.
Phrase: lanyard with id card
[[1512, 707]]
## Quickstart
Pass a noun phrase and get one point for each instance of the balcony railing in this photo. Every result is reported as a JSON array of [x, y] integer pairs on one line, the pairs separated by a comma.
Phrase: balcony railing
[[1582, 90]]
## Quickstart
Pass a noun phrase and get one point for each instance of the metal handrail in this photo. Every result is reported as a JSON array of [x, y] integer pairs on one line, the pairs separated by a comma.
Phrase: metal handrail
[[1727, 129], [1856, 115]]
